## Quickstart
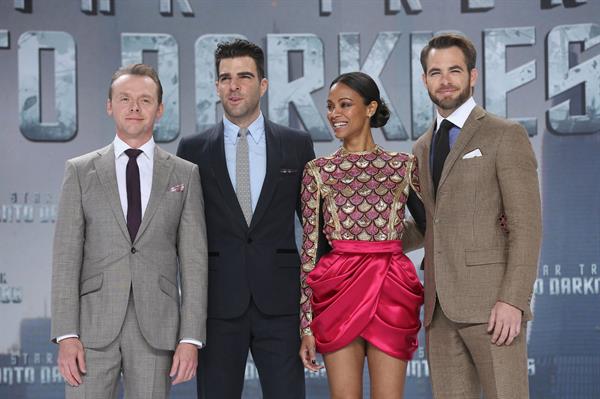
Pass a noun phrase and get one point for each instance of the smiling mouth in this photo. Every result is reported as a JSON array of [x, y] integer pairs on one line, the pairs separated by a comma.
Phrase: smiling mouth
[[339, 125]]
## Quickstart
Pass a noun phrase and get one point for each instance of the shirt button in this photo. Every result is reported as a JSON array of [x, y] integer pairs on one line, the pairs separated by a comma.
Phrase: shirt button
[[133, 250], [436, 221]]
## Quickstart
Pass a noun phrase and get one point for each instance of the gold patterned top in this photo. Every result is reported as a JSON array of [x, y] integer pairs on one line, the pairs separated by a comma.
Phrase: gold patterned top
[[361, 196]]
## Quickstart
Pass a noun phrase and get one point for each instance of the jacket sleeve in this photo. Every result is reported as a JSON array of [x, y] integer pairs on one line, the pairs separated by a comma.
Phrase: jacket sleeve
[[69, 238], [516, 168], [193, 262]]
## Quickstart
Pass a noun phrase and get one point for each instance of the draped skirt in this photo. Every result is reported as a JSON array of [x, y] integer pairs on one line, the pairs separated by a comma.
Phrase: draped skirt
[[367, 289]]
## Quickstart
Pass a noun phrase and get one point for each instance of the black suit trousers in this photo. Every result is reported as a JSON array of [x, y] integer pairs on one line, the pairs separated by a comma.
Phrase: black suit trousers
[[222, 363]]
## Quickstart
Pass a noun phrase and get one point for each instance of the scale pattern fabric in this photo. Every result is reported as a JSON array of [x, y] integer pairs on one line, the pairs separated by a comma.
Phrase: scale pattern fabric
[[360, 198]]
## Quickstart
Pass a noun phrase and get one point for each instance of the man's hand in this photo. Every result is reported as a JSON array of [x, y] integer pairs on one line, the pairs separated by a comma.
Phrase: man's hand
[[185, 361], [308, 353], [71, 360], [504, 323]]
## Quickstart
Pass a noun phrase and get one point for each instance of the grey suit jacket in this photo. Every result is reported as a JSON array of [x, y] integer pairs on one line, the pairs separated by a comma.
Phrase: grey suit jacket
[[470, 262], [95, 264]]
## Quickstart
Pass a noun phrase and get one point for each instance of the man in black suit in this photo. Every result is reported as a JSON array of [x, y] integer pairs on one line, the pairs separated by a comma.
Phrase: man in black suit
[[250, 170]]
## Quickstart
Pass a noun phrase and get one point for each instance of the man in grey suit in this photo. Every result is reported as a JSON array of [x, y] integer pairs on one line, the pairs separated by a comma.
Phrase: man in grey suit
[[130, 226]]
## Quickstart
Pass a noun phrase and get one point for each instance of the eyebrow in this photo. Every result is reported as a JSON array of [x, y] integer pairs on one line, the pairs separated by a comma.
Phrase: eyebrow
[[456, 66], [243, 73]]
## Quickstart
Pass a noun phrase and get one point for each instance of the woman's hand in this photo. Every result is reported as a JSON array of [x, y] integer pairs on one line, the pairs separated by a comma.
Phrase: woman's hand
[[308, 354]]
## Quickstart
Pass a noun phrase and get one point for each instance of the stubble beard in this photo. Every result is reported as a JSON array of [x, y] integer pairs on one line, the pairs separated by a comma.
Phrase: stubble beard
[[451, 104], [241, 112]]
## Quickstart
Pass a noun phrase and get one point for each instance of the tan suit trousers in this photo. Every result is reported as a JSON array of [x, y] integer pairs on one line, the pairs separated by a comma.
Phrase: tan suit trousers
[[463, 362]]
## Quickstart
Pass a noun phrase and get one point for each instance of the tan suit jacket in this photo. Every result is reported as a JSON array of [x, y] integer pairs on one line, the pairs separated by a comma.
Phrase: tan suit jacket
[[96, 266], [470, 262]]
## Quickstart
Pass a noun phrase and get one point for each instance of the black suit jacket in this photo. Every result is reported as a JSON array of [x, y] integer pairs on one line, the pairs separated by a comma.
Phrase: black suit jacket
[[261, 260]]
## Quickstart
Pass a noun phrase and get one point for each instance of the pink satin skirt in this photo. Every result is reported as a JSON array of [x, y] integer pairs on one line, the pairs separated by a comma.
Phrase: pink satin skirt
[[368, 289]]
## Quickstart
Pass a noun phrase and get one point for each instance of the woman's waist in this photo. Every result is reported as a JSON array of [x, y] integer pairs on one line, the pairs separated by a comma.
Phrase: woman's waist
[[361, 246]]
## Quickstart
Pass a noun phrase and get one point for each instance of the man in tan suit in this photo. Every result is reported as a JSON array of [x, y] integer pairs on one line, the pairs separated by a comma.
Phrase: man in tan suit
[[130, 262], [478, 172]]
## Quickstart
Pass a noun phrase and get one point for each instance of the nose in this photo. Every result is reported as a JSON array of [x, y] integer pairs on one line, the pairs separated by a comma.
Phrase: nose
[[234, 85], [134, 106], [445, 79]]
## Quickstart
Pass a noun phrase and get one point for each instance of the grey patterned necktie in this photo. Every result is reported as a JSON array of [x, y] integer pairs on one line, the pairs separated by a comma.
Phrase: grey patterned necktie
[[242, 175]]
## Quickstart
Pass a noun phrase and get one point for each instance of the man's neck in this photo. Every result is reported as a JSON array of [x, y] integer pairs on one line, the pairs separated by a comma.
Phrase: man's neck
[[134, 142]]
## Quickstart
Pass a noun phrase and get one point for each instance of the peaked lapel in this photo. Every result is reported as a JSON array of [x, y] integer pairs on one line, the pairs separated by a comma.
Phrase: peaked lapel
[[218, 165], [471, 125], [106, 171], [273, 143], [161, 171]]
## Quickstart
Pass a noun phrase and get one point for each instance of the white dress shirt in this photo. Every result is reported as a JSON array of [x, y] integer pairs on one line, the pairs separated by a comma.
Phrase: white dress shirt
[[458, 119], [145, 163]]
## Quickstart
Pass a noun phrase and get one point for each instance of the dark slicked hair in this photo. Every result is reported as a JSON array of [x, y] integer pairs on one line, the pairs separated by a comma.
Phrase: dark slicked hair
[[448, 40], [366, 87], [137, 70], [241, 48]]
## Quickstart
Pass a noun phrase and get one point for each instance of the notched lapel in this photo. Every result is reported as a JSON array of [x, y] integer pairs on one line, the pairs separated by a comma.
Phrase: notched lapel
[[161, 171], [472, 124], [272, 177], [105, 169]]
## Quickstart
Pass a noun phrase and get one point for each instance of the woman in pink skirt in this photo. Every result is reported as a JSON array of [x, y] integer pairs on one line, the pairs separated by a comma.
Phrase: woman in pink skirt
[[362, 298]]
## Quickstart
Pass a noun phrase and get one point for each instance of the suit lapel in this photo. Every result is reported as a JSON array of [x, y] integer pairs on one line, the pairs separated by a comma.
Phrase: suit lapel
[[105, 169], [218, 164], [161, 172], [273, 142], [471, 125]]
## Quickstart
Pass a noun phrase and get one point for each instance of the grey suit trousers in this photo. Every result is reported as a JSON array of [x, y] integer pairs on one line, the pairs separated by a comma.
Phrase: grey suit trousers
[[145, 370]]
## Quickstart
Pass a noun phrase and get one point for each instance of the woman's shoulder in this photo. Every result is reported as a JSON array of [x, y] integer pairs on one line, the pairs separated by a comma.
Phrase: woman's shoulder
[[319, 162]]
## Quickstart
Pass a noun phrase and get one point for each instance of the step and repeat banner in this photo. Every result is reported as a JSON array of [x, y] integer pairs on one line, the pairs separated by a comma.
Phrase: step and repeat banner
[[539, 63]]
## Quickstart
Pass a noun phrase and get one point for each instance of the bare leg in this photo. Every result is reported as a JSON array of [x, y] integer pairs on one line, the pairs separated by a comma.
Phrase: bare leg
[[387, 374], [345, 369]]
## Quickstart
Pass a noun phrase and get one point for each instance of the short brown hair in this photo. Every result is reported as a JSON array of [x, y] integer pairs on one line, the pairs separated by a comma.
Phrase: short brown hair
[[241, 48], [448, 40], [138, 70]]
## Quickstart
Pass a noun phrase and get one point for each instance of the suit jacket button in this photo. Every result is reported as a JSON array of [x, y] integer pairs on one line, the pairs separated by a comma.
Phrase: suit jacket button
[[249, 241], [133, 250]]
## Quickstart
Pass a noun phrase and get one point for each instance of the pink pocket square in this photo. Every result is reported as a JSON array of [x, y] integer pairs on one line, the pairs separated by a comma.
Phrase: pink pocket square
[[177, 188]]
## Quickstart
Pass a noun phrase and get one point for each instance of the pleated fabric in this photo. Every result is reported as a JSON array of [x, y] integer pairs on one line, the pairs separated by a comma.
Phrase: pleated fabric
[[368, 289]]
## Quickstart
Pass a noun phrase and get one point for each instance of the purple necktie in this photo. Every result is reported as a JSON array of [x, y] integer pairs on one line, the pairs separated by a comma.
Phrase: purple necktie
[[134, 197]]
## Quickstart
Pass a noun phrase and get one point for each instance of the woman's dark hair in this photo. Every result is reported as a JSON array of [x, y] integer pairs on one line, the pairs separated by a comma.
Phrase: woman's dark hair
[[366, 87]]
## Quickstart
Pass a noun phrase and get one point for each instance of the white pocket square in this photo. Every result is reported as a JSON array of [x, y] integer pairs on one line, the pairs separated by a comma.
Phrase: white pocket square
[[473, 154]]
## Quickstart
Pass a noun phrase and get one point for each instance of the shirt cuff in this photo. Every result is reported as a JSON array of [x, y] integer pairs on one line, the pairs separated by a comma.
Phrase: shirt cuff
[[199, 344], [58, 339]]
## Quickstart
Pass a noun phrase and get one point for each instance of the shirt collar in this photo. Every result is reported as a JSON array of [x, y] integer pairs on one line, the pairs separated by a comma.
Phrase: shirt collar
[[256, 130], [148, 148], [459, 116]]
